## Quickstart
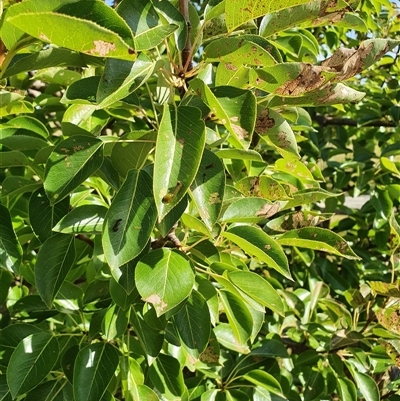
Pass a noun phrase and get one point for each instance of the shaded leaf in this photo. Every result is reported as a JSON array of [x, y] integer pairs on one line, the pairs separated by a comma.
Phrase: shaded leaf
[[208, 187], [180, 143], [31, 361], [82, 219], [166, 375], [54, 260], [93, 370], [10, 249], [71, 162], [193, 324], [129, 220], [234, 107]]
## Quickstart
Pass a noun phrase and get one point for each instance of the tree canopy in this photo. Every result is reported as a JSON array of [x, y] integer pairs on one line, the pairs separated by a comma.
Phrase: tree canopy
[[199, 200]]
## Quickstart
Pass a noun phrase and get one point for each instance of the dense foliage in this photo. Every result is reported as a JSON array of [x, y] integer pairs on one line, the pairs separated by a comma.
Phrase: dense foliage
[[177, 218]]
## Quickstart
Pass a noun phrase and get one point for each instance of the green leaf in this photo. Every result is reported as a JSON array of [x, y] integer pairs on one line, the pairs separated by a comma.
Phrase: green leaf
[[193, 324], [258, 289], [93, 370], [51, 57], [26, 123], [145, 23], [166, 375], [10, 337], [43, 216], [31, 361], [265, 380], [150, 338], [146, 393], [256, 242], [169, 12], [71, 162], [120, 78], [48, 391], [164, 278], [55, 259], [317, 238], [132, 151], [270, 348], [82, 91], [13, 158], [235, 108], [16, 185], [263, 187], [347, 389], [249, 210], [241, 154], [207, 189], [239, 316], [237, 51], [114, 322], [307, 14], [240, 11], [4, 390], [276, 131], [82, 219], [103, 32], [180, 143], [314, 386], [10, 249], [129, 220], [306, 196]]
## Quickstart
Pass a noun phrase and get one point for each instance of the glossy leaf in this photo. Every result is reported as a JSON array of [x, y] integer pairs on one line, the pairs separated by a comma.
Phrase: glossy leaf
[[193, 324], [71, 162], [265, 380], [263, 187], [82, 219], [239, 316], [132, 155], [166, 375], [10, 249], [114, 323], [43, 216], [367, 386], [307, 14], [207, 189], [121, 77], [31, 361], [314, 386], [93, 370], [258, 289], [255, 242], [238, 11], [250, 210], [320, 239], [55, 259], [47, 391], [180, 143], [129, 220], [164, 278], [97, 38], [347, 389], [274, 129], [238, 51], [150, 338], [234, 107]]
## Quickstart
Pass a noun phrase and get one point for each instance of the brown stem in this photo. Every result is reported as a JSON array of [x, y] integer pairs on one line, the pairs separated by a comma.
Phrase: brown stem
[[86, 239], [323, 121], [186, 52], [3, 51]]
